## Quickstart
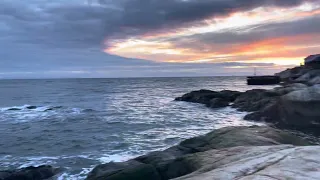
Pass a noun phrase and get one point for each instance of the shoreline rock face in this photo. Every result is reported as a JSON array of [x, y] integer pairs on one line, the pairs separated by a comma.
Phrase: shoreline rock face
[[30, 173], [193, 154]]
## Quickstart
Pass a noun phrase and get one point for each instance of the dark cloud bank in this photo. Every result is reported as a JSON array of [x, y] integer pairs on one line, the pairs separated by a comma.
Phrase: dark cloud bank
[[59, 37]]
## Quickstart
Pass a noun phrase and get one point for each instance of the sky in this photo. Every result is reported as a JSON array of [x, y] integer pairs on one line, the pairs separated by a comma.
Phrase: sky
[[155, 38]]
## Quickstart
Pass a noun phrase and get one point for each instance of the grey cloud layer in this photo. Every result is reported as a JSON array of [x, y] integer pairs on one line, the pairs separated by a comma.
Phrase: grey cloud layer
[[75, 24], [60, 35]]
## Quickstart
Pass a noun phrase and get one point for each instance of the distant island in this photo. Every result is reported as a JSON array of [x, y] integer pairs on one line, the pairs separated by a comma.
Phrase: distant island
[[280, 150]]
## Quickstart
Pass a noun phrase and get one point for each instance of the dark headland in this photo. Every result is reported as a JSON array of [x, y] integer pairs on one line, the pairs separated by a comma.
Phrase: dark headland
[[268, 152]]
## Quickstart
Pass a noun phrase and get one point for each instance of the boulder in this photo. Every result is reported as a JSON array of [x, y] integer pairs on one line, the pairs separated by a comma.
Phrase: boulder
[[30, 173], [298, 110], [174, 162], [269, 112], [260, 163], [301, 108]]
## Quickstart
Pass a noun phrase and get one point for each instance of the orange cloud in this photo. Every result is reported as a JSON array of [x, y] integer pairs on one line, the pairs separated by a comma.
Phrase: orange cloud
[[158, 46]]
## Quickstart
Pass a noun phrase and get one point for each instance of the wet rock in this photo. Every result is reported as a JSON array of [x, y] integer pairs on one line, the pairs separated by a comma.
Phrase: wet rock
[[205, 96], [229, 95], [288, 88], [122, 171], [314, 81], [31, 107], [202, 96], [30, 173], [53, 108], [14, 109], [218, 103], [183, 159], [254, 100], [269, 113]]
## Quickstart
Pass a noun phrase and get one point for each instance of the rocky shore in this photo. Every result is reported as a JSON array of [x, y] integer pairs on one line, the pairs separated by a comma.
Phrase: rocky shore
[[250, 147], [294, 105], [268, 152]]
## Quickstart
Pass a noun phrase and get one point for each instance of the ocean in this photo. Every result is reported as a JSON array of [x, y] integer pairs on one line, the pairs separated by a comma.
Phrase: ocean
[[80, 123]]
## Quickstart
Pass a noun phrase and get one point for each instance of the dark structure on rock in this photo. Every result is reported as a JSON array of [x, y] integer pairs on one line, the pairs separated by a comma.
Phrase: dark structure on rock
[[263, 80], [313, 61]]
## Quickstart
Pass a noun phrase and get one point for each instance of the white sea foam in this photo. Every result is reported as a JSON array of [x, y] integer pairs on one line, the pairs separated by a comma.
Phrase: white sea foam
[[26, 113], [14, 107], [80, 176], [76, 110], [115, 158]]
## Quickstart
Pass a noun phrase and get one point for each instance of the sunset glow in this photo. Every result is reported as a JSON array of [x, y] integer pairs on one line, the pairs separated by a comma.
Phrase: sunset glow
[[189, 43]]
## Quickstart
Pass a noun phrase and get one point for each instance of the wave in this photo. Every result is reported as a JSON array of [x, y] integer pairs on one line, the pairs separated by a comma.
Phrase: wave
[[44, 109], [26, 113], [89, 160], [30, 107]]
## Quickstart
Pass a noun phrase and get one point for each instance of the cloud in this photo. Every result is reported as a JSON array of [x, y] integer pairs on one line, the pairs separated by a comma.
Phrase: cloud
[[310, 25], [62, 37], [301, 32], [76, 24], [287, 38]]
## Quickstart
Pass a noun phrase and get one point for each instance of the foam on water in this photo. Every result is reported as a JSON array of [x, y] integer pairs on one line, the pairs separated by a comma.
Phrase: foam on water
[[115, 157], [27, 112], [80, 176]]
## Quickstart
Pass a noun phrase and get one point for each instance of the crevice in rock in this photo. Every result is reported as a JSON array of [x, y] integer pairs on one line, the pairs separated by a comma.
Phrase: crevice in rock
[[264, 167], [269, 176]]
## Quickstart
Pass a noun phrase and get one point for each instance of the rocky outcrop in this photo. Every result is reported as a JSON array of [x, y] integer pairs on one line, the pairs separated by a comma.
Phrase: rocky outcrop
[[298, 109], [303, 74], [30, 173], [291, 106], [188, 156], [308, 76], [252, 100], [290, 75], [301, 108]]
